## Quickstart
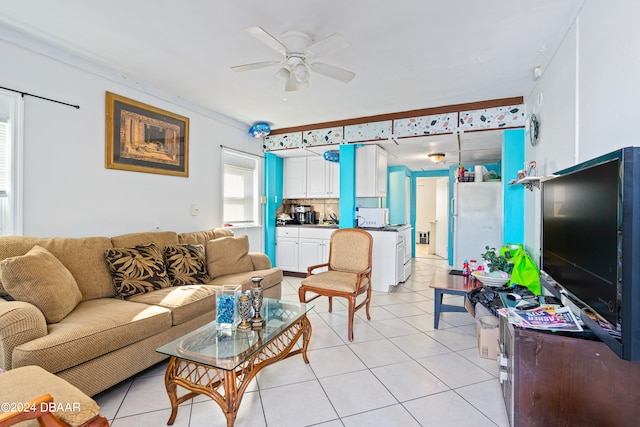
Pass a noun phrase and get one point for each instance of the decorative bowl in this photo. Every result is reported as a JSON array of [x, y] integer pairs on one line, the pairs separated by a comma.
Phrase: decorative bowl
[[496, 282]]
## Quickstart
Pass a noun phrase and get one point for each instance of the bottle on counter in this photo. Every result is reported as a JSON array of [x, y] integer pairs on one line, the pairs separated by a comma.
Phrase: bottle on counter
[[465, 268], [473, 266]]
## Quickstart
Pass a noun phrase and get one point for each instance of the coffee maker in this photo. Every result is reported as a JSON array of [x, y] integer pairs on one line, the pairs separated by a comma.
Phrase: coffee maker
[[301, 213]]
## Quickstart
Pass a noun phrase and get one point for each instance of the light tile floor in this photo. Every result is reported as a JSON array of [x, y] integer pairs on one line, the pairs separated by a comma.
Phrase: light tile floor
[[398, 371]]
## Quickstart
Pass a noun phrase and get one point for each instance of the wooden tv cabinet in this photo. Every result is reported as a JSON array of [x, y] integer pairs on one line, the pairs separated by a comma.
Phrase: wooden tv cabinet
[[553, 380]]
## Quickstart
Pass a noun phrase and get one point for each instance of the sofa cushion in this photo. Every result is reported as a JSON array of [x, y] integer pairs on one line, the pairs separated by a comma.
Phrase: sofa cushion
[[228, 255], [137, 270], [94, 328], [186, 264], [83, 257], [202, 237], [185, 302], [160, 238], [271, 277], [41, 279]]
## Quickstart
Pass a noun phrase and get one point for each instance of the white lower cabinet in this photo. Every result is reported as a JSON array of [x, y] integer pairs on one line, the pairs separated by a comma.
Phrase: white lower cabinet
[[309, 247], [287, 248]]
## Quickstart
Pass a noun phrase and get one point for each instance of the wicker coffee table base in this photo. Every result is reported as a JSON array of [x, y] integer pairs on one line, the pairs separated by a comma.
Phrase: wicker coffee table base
[[226, 387]]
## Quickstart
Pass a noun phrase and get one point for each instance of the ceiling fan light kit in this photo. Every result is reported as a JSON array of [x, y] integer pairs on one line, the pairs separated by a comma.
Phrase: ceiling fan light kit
[[300, 53], [436, 157]]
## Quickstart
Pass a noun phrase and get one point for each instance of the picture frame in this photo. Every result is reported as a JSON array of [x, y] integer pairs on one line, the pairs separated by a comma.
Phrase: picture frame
[[143, 138]]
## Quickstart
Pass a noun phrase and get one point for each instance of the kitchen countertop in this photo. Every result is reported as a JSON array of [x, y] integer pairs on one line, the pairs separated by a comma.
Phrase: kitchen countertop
[[393, 227]]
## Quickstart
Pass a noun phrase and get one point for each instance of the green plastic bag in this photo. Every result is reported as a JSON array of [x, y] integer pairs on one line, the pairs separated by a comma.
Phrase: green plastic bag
[[525, 272]]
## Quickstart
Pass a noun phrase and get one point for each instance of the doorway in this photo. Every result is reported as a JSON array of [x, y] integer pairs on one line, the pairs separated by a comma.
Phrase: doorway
[[432, 219]]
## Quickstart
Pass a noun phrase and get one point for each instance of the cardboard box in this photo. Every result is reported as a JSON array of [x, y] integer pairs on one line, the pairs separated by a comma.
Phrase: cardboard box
[[488, 334]]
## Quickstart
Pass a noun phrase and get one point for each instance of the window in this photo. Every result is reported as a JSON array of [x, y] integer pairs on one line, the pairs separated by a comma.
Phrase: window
[[10, 163], [240, 182]]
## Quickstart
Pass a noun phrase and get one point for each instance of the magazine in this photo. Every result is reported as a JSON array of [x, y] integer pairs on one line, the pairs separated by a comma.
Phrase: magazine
[[547, 317]]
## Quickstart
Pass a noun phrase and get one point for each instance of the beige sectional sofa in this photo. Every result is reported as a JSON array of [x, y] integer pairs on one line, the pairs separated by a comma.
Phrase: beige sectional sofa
[[76, 321]]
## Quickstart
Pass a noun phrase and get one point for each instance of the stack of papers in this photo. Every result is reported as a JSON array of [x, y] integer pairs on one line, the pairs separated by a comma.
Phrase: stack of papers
[[550, 317]]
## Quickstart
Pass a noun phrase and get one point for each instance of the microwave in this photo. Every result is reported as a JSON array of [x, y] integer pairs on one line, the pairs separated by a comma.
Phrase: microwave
[[373, 217]]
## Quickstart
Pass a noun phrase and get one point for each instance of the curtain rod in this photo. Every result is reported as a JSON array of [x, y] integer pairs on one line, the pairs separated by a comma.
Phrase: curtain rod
[[40, 97], [240, 151]]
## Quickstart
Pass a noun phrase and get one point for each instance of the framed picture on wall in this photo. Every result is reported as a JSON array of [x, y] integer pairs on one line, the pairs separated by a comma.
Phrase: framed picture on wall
[[143, 138]]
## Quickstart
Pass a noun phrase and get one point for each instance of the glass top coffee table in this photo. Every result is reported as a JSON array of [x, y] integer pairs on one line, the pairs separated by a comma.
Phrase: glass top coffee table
[[221, 363]]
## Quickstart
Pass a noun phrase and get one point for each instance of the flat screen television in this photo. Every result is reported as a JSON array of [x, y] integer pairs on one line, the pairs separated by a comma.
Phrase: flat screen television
[[590, 244]]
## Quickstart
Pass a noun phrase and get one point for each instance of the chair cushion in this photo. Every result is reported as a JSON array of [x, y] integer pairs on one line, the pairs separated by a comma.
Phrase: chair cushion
[[228, 255], [186, 264], [335, 281], [29, 382], [185, 302], [93, 329], [137, 270], [39, 278]]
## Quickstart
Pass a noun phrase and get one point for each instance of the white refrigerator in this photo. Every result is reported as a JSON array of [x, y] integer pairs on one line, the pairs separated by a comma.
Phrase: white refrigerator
[[477, 220]]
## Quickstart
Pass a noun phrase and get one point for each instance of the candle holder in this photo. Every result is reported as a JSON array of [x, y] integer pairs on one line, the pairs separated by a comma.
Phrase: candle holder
[[244, 309], [256, 301]]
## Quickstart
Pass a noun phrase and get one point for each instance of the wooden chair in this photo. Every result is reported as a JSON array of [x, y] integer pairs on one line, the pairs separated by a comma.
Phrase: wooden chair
[[348, 272], [71, 407]]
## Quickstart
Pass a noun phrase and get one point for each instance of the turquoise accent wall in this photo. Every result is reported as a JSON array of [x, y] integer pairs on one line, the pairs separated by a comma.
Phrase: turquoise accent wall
[[513, 208], [347, 185], [273, 192]]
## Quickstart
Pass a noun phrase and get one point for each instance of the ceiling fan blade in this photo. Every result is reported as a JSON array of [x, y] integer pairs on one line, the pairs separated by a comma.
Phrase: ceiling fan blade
[[266, 38], [332, 71], [327, 45], [255, 65]]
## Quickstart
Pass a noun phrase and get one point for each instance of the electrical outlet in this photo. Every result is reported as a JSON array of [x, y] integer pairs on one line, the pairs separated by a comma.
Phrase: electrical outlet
[[156, 226], [195, 210]]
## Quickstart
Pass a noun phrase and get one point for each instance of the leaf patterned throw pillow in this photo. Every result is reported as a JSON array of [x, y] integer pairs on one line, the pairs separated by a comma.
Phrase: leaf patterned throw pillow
[[186, 264], [137, 270]]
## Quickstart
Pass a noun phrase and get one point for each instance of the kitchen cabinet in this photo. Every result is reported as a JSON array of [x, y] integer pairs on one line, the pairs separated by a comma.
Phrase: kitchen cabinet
[[323, 178], [313, 248], [294, 178], [371, 171], [287, 248], [300, 247], [387, 259], [310, 177]]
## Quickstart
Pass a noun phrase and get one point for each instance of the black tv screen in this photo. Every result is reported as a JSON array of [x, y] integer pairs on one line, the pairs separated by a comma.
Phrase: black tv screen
[[590, 244], [580, 235]]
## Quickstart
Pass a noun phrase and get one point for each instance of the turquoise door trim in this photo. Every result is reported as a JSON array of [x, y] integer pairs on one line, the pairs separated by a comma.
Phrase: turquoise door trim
[[347, 185], [513, 207], [273, 193]]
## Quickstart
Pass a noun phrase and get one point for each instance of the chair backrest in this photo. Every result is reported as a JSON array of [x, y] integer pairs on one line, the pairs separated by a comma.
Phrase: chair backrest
[[350, 250]]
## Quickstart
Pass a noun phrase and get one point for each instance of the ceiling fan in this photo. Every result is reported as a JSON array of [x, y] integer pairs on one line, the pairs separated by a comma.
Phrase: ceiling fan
[[300, 53]]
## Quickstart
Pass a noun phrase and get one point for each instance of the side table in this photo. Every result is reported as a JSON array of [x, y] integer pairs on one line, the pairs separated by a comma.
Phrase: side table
[[445, 283]]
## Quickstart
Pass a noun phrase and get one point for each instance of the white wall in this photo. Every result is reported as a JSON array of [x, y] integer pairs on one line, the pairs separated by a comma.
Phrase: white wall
[[67, 189], [590, 92]]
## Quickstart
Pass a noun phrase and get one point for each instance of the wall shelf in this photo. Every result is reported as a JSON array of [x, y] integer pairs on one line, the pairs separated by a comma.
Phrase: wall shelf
[[529, 182]]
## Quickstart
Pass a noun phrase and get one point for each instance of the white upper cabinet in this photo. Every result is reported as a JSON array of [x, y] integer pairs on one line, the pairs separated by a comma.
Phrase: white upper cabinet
[[323, 178], [294, 177], [310, 177], [371, 171]]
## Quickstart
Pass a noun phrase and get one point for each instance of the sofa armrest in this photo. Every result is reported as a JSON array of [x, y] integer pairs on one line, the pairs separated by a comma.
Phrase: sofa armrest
[[260, 261], [20, 322]]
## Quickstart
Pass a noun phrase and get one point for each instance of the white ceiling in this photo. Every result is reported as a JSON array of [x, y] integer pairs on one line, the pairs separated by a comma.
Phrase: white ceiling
[[407, 55]]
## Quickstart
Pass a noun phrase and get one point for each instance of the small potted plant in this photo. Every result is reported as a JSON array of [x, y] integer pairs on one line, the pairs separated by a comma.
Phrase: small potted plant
[[496, 262]]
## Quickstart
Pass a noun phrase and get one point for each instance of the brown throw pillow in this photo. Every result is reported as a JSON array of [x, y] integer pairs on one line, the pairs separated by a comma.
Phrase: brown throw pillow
[[186, 264], [228, 255], [137, 270], [39, 278]]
